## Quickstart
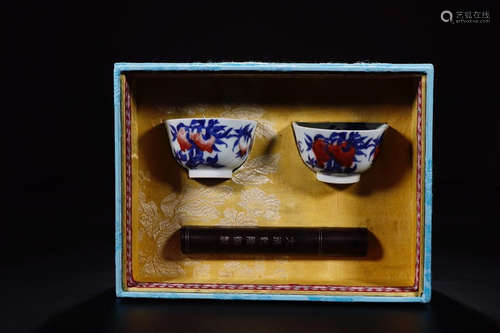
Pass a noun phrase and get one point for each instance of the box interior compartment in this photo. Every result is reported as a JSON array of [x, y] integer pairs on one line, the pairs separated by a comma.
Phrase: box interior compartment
[[273, 187]]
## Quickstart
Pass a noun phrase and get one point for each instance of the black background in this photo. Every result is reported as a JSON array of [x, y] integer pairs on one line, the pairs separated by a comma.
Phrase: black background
[[58, 234]]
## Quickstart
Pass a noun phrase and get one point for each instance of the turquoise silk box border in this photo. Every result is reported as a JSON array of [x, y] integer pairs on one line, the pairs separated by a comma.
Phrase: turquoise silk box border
[[426, 69]]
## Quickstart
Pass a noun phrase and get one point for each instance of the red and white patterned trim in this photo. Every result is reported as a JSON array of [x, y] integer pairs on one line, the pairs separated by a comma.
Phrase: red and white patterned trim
[[419, 183], [128, 184], [274, 287], [263, 287]]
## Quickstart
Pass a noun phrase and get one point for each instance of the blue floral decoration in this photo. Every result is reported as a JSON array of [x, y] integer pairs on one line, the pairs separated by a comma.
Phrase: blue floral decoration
[[338, 152], [376, 143], [243, 134], [206, 135]]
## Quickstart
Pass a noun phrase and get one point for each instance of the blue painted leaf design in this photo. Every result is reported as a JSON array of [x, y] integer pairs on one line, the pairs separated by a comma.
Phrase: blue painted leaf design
[[173, 131], [349, 142], [208, 130]]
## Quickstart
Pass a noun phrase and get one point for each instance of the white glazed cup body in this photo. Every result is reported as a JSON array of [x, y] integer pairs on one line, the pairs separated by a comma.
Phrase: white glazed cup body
[[338, 155], [210, 147]]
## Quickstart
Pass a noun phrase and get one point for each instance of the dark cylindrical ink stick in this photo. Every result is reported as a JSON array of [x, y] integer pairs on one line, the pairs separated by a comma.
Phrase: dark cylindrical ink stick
[[345, 242]]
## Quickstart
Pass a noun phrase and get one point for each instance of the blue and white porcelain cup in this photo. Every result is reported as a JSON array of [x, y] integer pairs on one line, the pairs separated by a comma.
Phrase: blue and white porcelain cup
[[210, 147], [338, 152]]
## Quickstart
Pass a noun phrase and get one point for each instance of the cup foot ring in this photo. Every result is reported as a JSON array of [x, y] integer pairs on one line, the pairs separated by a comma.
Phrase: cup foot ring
[[338, 178], [210, 173]]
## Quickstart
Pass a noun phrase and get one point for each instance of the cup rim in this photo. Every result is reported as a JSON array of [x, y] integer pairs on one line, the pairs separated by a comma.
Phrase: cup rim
[[218, 118], [316, 126]]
